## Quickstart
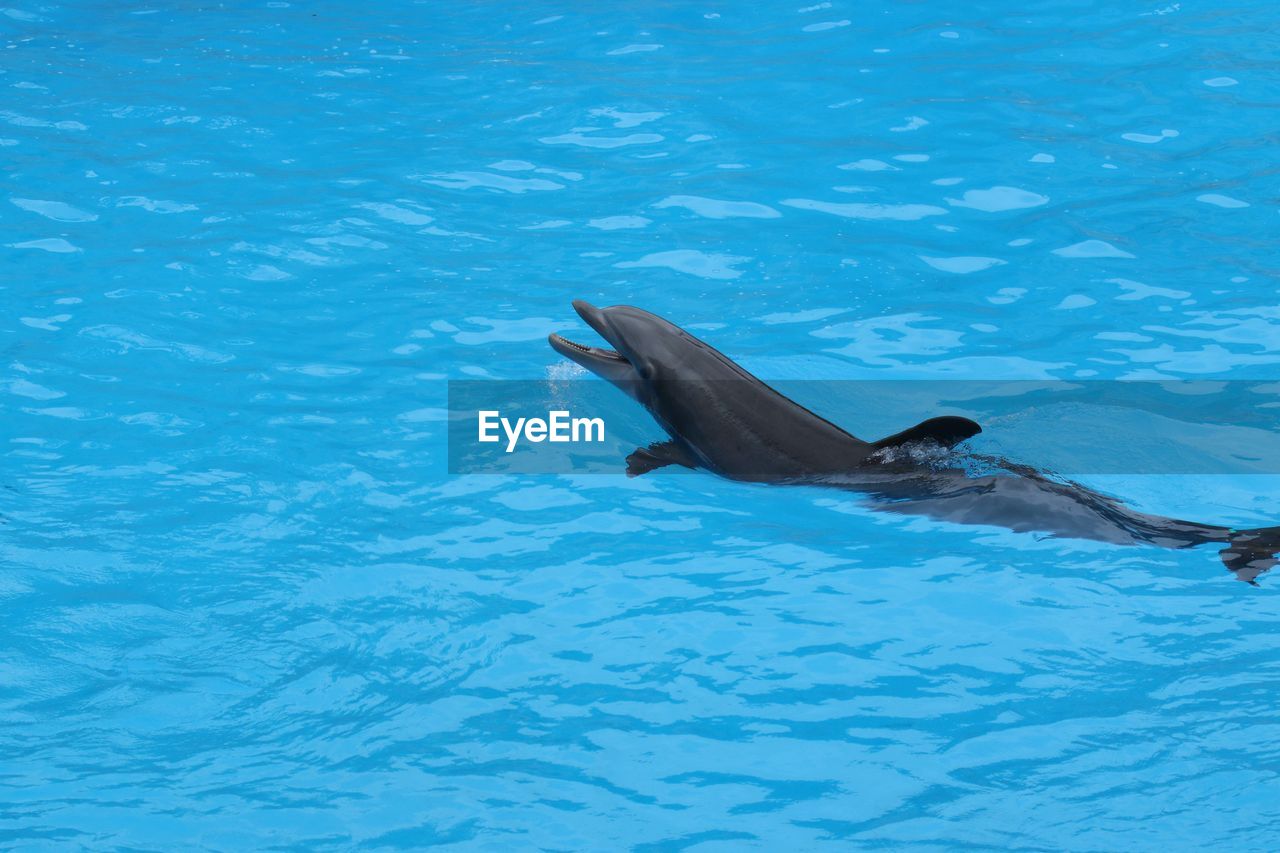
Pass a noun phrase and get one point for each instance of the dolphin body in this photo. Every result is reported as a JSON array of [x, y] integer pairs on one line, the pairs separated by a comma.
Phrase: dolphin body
[[723, 419]]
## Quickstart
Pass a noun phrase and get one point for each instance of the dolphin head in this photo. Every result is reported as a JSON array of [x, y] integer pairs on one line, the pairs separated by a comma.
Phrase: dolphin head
[[643, 346]]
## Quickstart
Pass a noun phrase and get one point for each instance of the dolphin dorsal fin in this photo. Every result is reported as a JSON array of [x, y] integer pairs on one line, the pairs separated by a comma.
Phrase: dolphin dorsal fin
[[947, 431], [658, 455]]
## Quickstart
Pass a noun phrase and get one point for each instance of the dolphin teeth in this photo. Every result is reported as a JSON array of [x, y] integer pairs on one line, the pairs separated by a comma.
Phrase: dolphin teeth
[[583, 348], [576, 345]]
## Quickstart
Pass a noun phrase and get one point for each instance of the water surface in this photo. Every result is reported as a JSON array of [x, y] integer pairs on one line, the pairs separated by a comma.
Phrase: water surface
[[247, 244]]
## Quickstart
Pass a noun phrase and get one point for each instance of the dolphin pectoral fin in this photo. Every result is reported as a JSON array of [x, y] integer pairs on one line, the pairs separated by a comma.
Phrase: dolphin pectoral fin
[[658, 455], [947, 431]]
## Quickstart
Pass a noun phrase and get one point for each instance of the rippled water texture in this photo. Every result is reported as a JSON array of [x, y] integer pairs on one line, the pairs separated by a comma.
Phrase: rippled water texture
[[245, 245]]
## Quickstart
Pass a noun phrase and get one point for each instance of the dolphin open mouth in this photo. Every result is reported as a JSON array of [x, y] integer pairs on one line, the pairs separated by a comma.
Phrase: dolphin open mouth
[[597, 359], [573, 349]]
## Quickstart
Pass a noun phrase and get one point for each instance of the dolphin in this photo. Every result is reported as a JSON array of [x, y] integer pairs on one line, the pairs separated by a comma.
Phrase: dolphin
[[721, 418]]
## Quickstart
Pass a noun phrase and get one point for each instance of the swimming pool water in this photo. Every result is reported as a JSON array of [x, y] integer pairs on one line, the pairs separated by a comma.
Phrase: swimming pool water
[[246, 245]]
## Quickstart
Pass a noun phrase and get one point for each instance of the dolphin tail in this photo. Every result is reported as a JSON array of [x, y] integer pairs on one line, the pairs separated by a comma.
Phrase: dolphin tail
[[1249, 553]]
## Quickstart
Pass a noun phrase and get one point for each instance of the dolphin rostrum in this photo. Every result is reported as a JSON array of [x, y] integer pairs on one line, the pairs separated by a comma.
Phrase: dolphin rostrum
[[727, 421]]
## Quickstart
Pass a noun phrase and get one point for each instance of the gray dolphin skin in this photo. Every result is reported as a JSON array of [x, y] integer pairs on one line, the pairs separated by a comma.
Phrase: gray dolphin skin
[[723, 419]]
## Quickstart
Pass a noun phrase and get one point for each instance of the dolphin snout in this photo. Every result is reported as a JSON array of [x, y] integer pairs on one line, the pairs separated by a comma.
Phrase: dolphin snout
[[599, 360], [592, 316]]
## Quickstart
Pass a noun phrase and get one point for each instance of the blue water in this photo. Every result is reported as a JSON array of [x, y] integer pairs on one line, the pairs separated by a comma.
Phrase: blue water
[[245, 245]]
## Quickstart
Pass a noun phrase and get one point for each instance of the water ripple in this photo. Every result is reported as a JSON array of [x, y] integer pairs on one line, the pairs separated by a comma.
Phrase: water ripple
[[247, 606]]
